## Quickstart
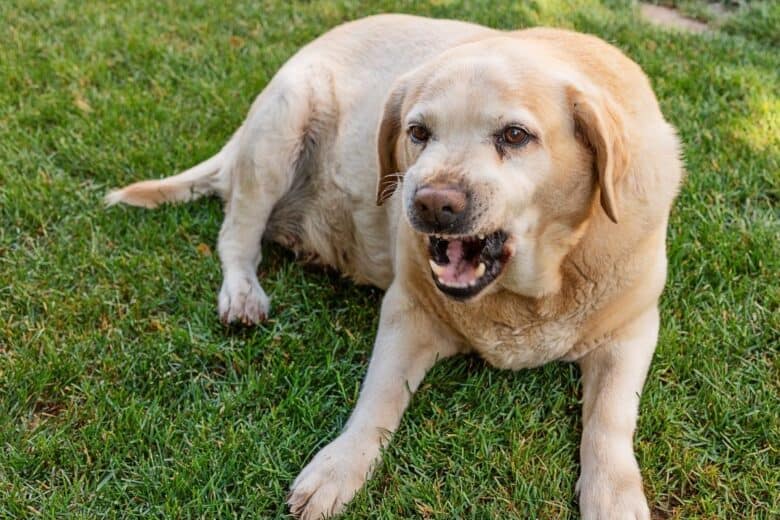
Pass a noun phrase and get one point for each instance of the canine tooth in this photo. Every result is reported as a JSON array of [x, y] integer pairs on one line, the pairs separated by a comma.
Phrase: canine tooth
[[481, 237], [480, 270], [436, 268]]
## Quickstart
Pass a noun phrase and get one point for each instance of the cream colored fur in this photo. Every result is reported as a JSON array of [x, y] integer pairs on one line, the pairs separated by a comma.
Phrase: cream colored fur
[[585, 203]]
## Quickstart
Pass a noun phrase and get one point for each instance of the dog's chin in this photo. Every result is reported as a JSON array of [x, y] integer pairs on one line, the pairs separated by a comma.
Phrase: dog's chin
[[463, 266]]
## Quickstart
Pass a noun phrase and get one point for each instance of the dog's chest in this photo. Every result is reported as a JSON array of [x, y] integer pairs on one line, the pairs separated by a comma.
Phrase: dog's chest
[[521, 340], [523, 346]]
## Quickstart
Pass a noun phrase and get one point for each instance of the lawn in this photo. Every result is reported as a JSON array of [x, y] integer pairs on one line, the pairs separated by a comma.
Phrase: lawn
[[121, 395]]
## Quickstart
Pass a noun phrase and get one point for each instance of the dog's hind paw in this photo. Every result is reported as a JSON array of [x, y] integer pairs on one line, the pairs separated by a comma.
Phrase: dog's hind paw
[[242, 300]]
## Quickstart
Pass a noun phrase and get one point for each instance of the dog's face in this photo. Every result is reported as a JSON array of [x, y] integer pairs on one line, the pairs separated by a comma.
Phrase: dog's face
[[501, 154]]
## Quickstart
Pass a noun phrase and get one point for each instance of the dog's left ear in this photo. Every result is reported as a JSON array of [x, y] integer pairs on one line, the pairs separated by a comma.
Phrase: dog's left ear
[[598, 122], [387, 138]]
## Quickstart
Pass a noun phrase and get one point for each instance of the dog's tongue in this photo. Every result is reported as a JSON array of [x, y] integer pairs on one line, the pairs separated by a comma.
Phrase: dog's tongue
[[458, 271]]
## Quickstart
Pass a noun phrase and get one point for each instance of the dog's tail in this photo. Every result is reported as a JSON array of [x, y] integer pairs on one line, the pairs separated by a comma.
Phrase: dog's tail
[[210, 177]]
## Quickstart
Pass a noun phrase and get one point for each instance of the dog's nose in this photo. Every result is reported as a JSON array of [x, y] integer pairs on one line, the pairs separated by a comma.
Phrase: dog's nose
[[440, 205]]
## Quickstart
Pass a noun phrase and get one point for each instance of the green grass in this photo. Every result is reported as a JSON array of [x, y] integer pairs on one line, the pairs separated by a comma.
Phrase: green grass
[[122, 396]]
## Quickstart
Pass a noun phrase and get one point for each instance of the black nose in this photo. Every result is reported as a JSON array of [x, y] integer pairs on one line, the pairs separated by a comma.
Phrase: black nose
[[440, 205]]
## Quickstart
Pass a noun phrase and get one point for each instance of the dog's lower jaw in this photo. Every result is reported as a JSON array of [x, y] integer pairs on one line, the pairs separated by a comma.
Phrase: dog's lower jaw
[[463, 266]]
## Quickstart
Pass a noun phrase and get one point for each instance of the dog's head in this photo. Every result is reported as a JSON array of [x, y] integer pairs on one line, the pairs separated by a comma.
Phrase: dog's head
[[503, 152]]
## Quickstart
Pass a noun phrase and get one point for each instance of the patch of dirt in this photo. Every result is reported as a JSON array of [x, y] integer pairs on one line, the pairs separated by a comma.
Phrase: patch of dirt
[[670, 18]]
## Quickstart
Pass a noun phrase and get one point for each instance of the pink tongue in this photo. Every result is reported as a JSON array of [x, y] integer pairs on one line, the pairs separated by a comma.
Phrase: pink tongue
[[457, 271]]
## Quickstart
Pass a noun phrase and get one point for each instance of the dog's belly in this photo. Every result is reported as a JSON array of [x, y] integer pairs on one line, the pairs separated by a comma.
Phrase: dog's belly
[[337, 224]]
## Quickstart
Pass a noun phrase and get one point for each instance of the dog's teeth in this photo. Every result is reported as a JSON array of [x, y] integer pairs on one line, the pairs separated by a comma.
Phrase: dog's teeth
[[480, 270], [436, 268], [454, 285], [481, 237]]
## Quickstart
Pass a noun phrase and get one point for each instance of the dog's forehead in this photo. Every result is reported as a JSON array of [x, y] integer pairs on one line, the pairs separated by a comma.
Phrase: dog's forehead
[[498, 85]]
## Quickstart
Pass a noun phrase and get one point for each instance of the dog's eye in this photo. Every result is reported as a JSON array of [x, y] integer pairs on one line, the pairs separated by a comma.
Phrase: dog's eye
[[419, 134], [514, 136]]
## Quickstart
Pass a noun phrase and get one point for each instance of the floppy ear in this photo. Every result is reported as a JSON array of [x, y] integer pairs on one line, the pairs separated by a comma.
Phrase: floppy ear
[[387, 137], [597, 120]]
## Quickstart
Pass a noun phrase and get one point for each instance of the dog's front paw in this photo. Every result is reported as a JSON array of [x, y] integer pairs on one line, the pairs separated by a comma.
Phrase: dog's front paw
[[331, 479], [606, 495], [241, 299]]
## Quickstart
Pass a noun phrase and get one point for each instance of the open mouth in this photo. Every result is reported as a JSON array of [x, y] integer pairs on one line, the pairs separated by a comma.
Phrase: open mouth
[[462, 266]]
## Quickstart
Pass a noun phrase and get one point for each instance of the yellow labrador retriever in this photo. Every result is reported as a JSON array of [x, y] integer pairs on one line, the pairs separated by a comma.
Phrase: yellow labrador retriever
[[510, 190]]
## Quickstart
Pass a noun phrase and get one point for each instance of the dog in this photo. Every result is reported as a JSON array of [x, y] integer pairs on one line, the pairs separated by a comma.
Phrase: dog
[[509, 190]]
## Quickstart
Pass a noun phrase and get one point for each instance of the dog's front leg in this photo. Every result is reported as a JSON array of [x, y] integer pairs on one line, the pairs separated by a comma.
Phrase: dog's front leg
[[408, 343], [610, 485]]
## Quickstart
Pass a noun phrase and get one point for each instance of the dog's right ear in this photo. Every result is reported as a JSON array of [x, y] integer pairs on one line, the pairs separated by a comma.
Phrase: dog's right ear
[[387, 139]]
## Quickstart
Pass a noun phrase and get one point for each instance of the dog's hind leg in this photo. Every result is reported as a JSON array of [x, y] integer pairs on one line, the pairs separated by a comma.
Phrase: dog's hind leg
[[276, 141]]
